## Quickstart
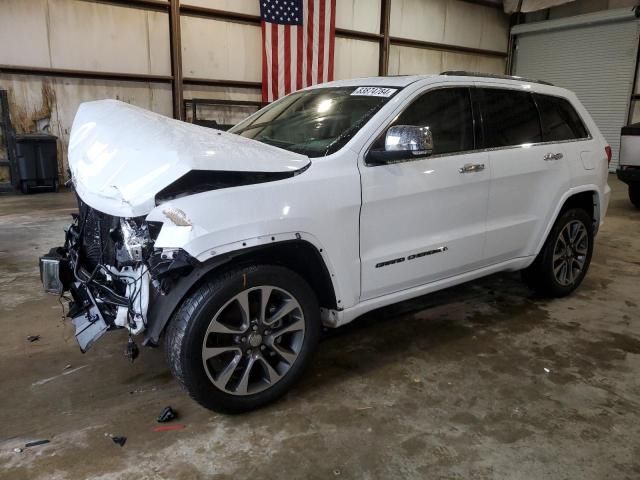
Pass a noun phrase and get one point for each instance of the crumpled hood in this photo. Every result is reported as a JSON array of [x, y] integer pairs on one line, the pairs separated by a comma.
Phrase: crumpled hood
[[120, 156]]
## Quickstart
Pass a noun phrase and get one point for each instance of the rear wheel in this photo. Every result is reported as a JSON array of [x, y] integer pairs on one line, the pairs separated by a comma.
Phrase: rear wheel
[[565, 257], [240, 341], [634, 194]]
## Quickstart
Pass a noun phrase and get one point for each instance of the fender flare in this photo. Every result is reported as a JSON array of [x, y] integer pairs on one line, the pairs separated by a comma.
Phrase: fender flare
[[560, 205], [162, 307]]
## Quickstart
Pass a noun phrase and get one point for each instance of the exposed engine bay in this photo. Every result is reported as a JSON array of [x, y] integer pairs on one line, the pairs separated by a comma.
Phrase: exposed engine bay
[[111, 269], [132, 254]]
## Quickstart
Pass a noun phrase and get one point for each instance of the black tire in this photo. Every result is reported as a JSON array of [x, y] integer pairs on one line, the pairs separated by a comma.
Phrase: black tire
[[540, 275], [634, 194], [188, 326]]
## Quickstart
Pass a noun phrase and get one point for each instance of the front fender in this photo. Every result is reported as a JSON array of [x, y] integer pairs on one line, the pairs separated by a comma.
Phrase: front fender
[[321, 207]]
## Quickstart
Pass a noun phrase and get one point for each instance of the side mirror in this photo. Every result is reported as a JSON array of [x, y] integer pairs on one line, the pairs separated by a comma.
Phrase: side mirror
[[403, 142]]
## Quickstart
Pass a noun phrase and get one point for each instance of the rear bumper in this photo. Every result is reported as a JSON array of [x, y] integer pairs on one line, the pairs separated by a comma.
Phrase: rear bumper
[[628, 174]]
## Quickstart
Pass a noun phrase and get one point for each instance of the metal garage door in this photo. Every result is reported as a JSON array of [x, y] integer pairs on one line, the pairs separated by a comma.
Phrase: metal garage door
[[594, 55]]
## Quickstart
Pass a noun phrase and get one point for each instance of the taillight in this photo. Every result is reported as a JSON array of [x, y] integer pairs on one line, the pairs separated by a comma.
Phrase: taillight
[[607, 150]]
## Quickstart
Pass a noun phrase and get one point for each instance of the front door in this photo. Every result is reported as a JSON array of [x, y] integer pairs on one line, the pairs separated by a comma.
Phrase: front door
[[424, 220]]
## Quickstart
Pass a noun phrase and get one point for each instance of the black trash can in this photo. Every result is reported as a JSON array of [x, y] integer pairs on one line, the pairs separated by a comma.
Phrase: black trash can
[[37, 162]]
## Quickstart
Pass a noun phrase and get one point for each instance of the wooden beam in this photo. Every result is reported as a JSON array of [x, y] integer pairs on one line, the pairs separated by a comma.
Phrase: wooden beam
[[212, 82], [385, 40], [88, 74], [215, 14], [514, 20], [175, 53], [158, 5], [126, 77], [486, 3], [356, 35], [408, 42]]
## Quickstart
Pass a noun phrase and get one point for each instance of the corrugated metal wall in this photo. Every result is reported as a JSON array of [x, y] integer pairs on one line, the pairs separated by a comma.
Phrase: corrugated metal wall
[[596, 60], [121, 37]]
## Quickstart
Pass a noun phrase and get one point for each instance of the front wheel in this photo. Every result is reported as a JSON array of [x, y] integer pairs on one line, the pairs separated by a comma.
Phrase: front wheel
[[565, 257], [241, 340]]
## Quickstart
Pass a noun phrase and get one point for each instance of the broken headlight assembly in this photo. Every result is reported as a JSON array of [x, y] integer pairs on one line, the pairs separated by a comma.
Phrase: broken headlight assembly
[[133, 242], [104, 266], [112, 271]]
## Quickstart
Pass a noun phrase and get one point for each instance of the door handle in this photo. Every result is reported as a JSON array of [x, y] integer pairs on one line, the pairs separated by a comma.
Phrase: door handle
[[552, 156], [471, 167]]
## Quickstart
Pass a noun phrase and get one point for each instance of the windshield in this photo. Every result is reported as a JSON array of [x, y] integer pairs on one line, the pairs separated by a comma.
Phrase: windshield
[[315, 122]]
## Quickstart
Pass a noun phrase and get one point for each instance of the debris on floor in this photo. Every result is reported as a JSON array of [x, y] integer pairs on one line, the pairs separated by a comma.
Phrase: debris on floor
[[547, 370], [119, 440], [33, 338], [67, 366], [65, 372], [166, 428], [132, 351], [167, 415], [17, 450], [143, 390], [35, 443]]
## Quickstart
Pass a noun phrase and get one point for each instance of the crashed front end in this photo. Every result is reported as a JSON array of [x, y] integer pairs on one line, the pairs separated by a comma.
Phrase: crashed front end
[[111, 270], [129, 256]]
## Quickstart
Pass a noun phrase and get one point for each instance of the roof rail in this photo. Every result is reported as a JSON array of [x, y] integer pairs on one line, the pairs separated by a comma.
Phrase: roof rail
[[462, 73]]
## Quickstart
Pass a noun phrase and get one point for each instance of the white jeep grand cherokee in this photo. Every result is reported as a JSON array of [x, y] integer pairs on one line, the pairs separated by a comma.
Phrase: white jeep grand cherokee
[[333, 201]]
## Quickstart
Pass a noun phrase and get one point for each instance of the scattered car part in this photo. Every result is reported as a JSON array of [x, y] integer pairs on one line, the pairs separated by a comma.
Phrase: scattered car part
[[167, 415], [119, 440], [132, 350], [36, 443]]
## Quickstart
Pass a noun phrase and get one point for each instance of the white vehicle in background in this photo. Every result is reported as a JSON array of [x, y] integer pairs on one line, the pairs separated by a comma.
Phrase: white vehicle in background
[[629, 169], [331, 202]]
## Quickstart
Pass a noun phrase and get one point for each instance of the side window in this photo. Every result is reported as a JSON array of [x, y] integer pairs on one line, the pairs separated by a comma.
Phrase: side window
[[447, 113], [509, 117], [559, 119]]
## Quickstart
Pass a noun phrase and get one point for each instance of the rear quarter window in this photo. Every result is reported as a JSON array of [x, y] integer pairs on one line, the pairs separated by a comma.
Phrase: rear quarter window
[[559, 119]]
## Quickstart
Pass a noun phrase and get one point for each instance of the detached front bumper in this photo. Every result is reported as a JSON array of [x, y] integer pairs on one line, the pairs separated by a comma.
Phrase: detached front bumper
[[144, 301], [56, 274]]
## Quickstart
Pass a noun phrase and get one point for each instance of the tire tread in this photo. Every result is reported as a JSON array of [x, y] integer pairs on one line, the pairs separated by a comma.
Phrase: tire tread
[[178, 330], [538, 276]]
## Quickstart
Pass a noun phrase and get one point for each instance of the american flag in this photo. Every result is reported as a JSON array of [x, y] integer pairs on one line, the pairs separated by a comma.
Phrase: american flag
[[298, 38]]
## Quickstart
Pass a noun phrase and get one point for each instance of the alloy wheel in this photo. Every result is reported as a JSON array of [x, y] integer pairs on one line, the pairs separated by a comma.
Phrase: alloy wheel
[[253, 340], [570, 252]]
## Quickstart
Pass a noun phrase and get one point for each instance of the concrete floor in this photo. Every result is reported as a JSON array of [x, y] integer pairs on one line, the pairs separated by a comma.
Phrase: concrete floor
[[481, 381]]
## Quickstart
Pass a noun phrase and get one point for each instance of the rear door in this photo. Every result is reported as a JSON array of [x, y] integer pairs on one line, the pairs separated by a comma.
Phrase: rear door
[[529, 176]]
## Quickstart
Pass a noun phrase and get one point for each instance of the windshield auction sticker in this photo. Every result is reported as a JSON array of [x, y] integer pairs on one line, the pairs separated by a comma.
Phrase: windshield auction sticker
[[374, 91]]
